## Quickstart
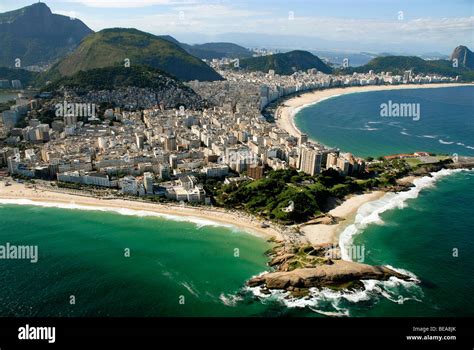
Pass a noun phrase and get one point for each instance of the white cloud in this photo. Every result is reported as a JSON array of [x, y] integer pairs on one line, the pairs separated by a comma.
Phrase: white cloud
[[217, 12], [342, 29], [126, 3], [219, 17]]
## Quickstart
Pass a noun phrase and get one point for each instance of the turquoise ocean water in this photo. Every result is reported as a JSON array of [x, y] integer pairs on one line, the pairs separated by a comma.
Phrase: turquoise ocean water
[[191, 268]]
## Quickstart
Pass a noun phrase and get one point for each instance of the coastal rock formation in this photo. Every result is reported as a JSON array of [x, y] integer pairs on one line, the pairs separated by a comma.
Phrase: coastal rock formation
[[338, 273], [300, 267]]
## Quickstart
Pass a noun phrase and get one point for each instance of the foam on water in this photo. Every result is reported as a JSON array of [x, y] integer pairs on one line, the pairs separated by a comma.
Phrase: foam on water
[[338, 303], [230, 299], [334, 303], [199, 222], [369, 213]]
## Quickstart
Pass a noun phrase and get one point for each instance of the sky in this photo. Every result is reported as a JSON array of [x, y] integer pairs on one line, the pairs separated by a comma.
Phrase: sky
[[403, 26]]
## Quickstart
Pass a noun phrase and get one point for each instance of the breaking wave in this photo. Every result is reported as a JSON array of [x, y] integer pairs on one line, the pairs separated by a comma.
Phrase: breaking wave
[[340, 303], [199, 222]]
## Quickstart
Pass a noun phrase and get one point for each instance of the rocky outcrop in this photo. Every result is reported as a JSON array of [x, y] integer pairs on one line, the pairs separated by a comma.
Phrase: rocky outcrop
[[338, 273], [300, 267]]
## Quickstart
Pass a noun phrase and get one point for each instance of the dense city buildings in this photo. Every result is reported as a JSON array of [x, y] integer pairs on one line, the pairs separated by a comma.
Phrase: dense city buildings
[[147, 149]]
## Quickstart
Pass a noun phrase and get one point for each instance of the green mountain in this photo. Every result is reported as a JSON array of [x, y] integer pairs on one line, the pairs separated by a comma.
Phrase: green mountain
[[400, 64], [117, 46], [36, 36], [464, 56], [285, 63], [125, 82]]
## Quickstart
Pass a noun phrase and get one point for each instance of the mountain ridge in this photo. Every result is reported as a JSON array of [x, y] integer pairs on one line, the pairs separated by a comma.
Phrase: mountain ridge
[[119, 46], [33, 35]]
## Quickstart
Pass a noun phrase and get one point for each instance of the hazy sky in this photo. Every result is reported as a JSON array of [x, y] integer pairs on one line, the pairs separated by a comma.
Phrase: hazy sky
[[377, 25]]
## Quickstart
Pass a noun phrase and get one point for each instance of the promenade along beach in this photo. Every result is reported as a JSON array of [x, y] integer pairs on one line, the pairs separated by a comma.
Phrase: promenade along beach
[[40, 196]]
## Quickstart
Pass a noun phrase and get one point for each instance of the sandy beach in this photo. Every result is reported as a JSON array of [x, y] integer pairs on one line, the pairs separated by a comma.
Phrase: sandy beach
[[315, 234], [285, 113], [344, 213], [312, 233], [220, 216]]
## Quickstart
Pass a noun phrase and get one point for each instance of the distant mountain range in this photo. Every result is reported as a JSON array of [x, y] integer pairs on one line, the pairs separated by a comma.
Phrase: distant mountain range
[[119, 46], [35, 35], [209, 51], [400, 64], [285, 63], [218, 50]]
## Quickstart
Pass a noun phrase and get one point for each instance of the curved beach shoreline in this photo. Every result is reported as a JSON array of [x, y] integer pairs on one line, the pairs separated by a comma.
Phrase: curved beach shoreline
[[315, 234], [347, 211], [286, 112], [19, 194]]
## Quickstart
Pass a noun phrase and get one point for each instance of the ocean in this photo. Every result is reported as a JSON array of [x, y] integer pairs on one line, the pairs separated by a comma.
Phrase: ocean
[[353, 122], [192, 268], [124, 264]]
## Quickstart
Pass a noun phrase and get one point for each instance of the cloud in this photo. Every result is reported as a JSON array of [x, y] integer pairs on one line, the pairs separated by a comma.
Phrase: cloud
[[215, 17], [341, 29], [126, 3], [218, 12]]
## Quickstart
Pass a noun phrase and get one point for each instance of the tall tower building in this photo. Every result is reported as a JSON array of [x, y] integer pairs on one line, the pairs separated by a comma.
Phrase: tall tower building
[[310, 160]]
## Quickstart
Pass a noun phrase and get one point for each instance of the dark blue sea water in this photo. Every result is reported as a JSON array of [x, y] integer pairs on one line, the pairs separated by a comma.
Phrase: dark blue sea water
[[353, 122]]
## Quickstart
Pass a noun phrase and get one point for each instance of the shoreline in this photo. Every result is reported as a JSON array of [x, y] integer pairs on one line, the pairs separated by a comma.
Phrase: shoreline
[[319, 234], [344, 213], [287, 110], [315, 234], [219, 217]]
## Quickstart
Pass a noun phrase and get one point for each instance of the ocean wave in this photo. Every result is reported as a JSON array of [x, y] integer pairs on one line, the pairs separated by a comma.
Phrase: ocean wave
[[369, 213], [405, 133], [230, 299], [429, 136], [199, 222], [341, 303], [445, 142], [300, 108], [191, 289]]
